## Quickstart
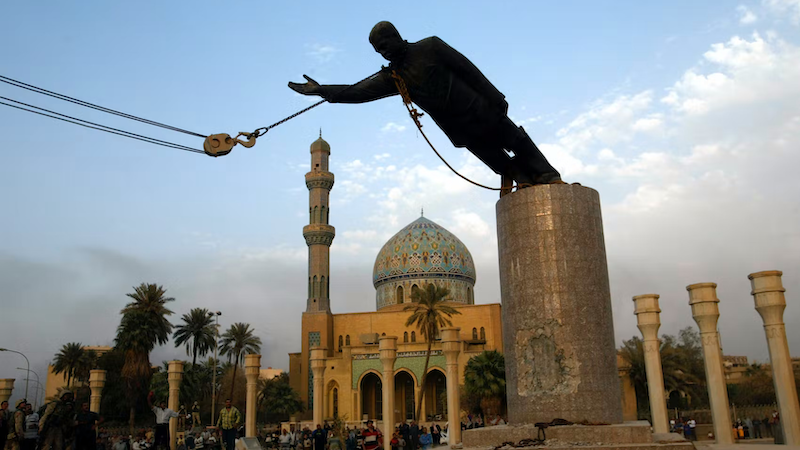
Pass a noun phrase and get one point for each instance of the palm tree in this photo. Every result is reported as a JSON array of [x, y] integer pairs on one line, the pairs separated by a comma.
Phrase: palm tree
[[68, 360], [197, 332], [144, 324], [236, 342], [485, 377], [278, 396], [429, 312]]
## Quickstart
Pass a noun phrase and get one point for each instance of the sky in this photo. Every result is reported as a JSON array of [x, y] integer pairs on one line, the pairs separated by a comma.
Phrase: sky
[[683, 115]]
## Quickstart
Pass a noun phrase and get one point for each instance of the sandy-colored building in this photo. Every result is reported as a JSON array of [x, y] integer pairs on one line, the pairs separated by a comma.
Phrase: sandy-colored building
[[269, 373], [54, 382]]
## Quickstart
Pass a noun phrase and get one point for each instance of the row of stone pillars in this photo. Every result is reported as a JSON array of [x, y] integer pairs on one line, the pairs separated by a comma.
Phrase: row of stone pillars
[[387, 346], [770, 302]]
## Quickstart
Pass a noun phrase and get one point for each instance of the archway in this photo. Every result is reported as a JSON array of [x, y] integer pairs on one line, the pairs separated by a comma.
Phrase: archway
[[436, 395], [372, 396], [404, 400]]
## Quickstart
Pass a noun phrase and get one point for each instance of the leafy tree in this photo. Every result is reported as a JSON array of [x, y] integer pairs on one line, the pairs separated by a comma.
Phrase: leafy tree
[[429, 313], [144, 325], [485, 377], [68, 360], [197, 332], [236, 342], [278, 399]]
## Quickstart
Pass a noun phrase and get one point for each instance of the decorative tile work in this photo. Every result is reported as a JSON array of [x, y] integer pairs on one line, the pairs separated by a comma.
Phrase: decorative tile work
[[414, 364], [314, 340], [423, 247]]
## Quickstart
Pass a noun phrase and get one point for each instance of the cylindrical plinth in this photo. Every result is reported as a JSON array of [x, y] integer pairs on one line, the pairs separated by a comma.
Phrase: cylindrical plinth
[[252, 368], [558, 333], [705, 310], [174, 378], [6, 388], [387, 346], [648, 320], [770, 302], [451, 347], [97, 380], [318, 370]]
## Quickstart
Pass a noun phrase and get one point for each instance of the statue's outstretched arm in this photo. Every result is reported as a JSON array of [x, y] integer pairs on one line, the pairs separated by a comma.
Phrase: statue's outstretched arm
[[373, 88]]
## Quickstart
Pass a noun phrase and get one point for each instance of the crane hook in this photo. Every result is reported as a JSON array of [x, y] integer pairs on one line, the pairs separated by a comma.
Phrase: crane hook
[[221, 144]]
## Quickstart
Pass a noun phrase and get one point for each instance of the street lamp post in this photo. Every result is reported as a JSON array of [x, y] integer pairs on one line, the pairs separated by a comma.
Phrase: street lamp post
[[26, 361], [36, 395], [214, 374], [38, 381]]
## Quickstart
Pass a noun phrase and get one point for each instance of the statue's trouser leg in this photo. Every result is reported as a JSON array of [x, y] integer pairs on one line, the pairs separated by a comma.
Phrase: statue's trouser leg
[[530, 164]]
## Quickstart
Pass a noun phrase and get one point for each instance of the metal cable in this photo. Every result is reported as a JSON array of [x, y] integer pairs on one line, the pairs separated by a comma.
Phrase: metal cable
[[76, 101], [102, 127]]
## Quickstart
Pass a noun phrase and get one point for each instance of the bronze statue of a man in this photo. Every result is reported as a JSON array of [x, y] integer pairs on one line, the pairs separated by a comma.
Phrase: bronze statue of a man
[[459, 98]]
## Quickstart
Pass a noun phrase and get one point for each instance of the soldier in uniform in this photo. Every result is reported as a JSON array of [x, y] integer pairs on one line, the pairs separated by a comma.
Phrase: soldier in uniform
[[55, 422], [16, 426]]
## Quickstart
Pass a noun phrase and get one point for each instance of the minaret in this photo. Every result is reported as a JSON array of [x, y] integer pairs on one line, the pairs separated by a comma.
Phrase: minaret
[[319, 235]]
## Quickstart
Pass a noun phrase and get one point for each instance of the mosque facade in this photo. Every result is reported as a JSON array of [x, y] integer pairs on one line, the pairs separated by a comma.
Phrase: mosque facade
[[421, 253]]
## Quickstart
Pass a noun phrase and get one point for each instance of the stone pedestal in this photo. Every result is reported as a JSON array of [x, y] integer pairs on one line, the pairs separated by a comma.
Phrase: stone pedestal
[[451, 346], [770, 303], [387, 346], [705, 310], [318, 369], [252, 368], [174, 378], [558, 332], [6, 387], [648, 320], [97, 380]]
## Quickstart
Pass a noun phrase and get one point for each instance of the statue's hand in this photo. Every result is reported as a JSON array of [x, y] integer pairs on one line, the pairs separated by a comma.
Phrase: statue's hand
[[309, 88]]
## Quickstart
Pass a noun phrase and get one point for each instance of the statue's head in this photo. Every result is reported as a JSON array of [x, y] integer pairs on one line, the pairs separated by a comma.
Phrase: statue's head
[[387, 41]]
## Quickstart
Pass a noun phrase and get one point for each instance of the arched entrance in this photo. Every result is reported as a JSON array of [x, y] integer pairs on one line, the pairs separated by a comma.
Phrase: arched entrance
[[404, 400], [372, 396], [436, 395]]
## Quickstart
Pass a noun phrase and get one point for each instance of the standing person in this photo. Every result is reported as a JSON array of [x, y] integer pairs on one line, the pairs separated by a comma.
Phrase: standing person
[[757, 428], [195, 415], [182, 418], [163, 414], [56, 422], [3, 424], [190, 440], [413, 434], [31, 429], [372, 436], [86, 423], [775, 423], [320, 438], [16, 426], [334, 442], [285, 440], [405, 431], [228, 422], [436, 431]]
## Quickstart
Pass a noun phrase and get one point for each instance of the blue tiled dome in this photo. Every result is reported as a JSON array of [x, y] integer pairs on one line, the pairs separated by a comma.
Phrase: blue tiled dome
[[423, 249]]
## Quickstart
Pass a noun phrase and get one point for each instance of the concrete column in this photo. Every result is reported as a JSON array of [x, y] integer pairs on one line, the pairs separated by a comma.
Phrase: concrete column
[[558, 330], [648, 320], [388, 350], [705, 310], [174, 378], [451, 347], [252, 368], [318, 369], [97, 380], [6, 387], [770, 303]]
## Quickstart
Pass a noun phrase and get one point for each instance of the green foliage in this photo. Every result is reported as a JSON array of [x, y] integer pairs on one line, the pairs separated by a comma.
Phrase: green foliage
[[236, 342], [485, 379], [681, 363], [197, 332], [429, 313], [278, 400], [68, 360]]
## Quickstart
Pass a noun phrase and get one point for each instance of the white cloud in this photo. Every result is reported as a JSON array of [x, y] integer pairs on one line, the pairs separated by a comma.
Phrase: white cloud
[[393, 127], [746, 16], [790, 8], [323, 53]]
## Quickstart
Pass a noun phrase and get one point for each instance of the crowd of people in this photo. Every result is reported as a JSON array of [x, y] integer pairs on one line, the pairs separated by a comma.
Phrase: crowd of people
[[406, 436], [747, 428]]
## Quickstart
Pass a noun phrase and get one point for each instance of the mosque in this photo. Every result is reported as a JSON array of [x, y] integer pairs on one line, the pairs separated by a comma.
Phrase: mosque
[[421, 253]]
